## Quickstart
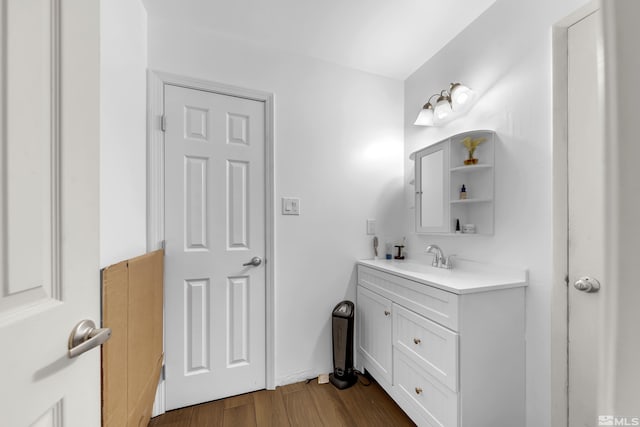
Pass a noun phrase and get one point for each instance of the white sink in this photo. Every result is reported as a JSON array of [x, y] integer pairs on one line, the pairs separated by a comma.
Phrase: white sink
[[465, 277], [413, 267]]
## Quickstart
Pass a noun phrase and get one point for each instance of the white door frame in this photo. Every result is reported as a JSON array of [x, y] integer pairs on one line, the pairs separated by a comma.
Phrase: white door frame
[[559, 289], [155, 190]]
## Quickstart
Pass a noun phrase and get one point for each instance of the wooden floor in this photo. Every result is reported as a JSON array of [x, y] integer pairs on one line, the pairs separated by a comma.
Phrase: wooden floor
[[297, 404]]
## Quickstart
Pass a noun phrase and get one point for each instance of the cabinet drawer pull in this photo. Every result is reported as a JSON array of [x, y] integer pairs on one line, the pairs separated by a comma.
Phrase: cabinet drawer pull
[[418, 390], [417, 341], [387, 312]]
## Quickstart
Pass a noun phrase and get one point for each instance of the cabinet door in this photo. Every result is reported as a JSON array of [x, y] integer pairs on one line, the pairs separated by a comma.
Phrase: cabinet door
[[432, 189], [374, 333]]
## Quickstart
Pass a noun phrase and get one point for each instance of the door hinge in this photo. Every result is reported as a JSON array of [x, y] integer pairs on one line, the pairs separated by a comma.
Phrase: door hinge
[[162, 374], [163, 123], [163, 244], [566, 280]]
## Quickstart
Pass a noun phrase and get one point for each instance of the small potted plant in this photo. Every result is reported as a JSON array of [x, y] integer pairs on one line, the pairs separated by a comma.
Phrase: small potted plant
[[471, 145]]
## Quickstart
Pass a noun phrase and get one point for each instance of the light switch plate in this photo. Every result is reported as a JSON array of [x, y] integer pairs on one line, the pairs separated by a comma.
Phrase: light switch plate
[[290, 206], [371, 227]]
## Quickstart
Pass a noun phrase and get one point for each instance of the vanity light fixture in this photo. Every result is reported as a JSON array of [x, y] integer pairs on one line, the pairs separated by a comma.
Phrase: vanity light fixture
[[449, 105]]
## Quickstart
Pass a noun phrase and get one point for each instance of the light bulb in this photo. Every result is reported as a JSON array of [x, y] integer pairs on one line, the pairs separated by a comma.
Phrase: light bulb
[[442, 109], [461, 96], [461, 99]]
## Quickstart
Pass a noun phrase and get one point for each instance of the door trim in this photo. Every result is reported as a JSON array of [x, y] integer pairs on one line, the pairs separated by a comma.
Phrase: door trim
[[559, 286], [156, 82]]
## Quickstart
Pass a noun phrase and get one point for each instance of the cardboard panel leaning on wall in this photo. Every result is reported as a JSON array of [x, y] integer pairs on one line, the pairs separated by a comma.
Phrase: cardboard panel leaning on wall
[[132, 302], [115, 284]]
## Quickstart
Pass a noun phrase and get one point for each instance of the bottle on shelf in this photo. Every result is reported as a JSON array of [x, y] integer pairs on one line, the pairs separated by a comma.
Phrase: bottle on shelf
[[463, 192]]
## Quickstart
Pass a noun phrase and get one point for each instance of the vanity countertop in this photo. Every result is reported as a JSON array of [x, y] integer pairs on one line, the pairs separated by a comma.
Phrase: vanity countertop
[[466, 276]]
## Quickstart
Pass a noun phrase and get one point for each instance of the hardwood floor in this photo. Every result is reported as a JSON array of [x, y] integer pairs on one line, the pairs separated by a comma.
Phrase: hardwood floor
[[299, 404]]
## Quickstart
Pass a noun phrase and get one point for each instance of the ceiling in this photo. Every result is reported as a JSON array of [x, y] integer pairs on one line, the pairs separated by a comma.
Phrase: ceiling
[[386, 37]]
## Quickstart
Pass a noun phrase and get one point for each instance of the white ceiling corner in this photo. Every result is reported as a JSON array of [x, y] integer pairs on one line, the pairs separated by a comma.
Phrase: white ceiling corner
[[388, 38]]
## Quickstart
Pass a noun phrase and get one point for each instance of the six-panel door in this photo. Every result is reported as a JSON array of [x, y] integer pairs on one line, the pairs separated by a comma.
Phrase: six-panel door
[[214, 223]]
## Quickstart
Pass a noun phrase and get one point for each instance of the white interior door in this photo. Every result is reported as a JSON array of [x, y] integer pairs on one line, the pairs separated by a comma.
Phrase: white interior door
[[620, 340], [214, 226], [586, 202], [49, 252]]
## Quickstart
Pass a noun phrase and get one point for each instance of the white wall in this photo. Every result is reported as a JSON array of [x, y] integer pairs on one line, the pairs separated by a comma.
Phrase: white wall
[[506, 56], [338, 146], [123, 63]]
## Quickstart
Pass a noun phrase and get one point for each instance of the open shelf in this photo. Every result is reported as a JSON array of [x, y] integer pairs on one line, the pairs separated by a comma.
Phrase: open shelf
[[457, 234], [471, 168], [465, 201]]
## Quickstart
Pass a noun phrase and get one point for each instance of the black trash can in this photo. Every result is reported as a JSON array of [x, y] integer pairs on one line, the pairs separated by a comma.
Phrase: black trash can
[[343, 375]]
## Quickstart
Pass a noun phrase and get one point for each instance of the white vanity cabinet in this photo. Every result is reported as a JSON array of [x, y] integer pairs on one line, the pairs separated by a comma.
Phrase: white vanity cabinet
[[449, 353]]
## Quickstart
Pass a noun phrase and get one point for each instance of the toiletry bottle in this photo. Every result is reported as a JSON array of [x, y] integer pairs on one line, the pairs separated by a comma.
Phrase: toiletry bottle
[[458, 231], [388, 251], [463, 192]]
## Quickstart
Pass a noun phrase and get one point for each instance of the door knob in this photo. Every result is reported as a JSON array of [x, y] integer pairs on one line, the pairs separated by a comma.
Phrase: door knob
[[86, 336], [587, 284], [255, 261]]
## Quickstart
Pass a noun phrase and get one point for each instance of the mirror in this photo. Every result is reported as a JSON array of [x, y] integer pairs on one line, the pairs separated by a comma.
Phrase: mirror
[[432, 200], [431, 189]]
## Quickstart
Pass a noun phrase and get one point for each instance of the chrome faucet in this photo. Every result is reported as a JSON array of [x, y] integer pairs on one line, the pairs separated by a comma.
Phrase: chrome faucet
[[439, 260]]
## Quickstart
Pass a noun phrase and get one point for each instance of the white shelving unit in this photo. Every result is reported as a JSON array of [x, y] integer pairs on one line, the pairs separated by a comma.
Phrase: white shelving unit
[[438, 203]]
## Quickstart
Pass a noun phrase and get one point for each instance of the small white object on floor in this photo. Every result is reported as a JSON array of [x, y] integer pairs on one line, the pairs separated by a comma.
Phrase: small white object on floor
[[323, 378]]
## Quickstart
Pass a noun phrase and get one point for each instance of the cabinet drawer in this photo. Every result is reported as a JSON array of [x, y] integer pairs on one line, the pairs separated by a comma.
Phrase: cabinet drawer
[[422, 396], [432, 346], [435, 304]]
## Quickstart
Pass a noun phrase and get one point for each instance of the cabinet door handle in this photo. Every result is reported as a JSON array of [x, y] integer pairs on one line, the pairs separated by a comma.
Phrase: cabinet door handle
[[387, 312], [417, 341], [418, 390]]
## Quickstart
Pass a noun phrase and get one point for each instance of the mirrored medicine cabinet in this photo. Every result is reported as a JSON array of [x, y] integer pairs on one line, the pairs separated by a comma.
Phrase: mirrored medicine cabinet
[[441, 172]]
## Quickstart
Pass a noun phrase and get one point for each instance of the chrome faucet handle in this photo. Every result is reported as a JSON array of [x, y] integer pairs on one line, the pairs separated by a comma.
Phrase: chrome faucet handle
[[448, 262]]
